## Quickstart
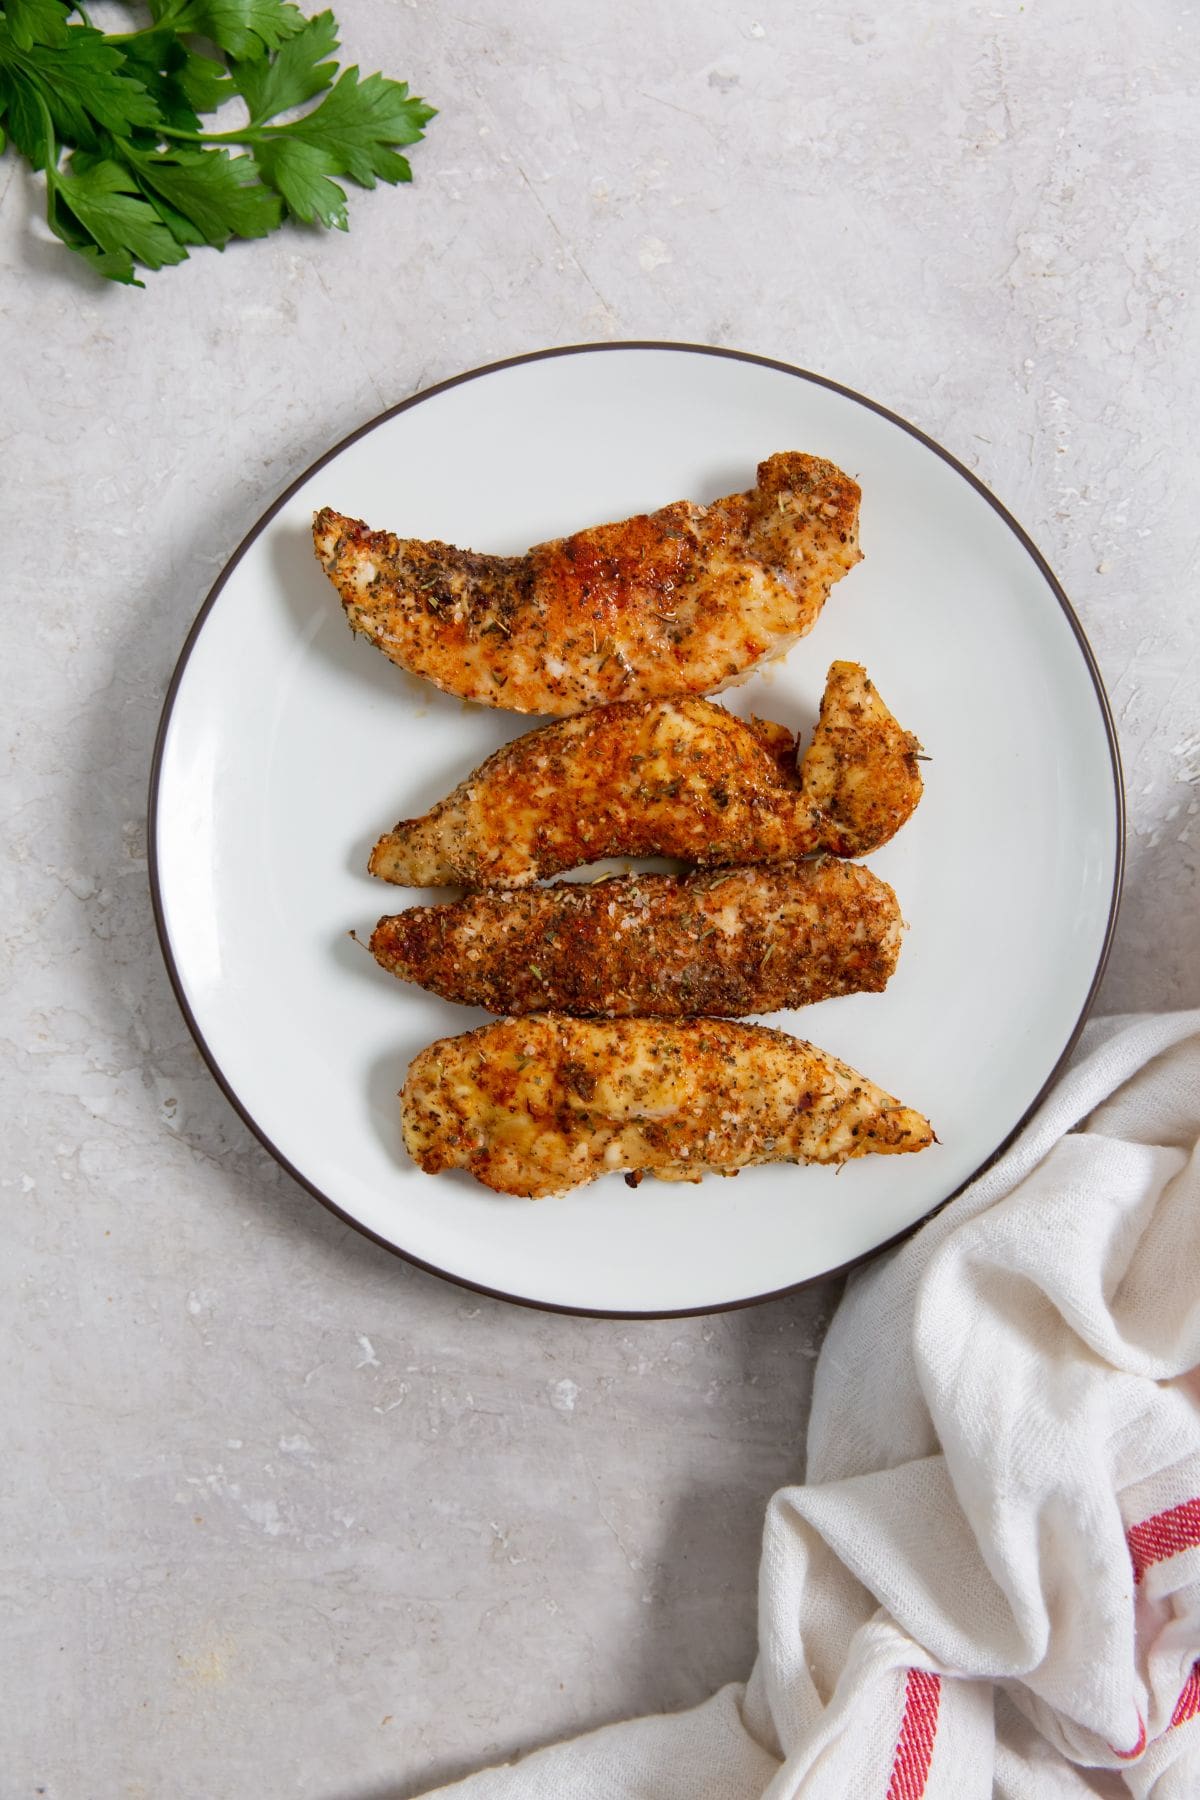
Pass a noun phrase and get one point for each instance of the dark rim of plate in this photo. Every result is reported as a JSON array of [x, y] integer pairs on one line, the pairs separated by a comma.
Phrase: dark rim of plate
[[509, 362]]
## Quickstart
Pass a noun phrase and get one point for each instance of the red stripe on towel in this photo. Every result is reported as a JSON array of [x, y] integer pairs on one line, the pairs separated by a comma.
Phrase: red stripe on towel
[[1166, 1534], [918, 1728], [1128, 1755], [1186, 1707], [1188, 1703]]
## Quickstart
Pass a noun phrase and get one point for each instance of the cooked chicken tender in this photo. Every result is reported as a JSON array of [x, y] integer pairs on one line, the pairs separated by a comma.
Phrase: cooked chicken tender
[[740, 941], [861, 771], [539, 1105], [679, 601], [680, 778]]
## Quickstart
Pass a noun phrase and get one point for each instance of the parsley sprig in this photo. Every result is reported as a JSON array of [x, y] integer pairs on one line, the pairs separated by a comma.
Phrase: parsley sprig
[[116, 123]]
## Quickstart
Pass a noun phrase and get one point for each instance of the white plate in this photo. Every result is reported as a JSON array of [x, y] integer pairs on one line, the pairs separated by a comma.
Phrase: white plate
[[286, 746]]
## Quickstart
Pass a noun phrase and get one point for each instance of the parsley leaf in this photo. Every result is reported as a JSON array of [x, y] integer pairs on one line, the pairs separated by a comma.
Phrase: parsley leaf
[[240, 27], [270, 85], [143, 181], [352, 132], [36, 22], [104, 202], [181, 83], [357, 124], [114, 265], [300, 173], [205, 82], [217, 195], [82, 83]]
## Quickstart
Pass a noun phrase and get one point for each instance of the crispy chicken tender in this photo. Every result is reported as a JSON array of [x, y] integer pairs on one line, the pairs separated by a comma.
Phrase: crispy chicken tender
[[684, 600], [681, 778], [539, 1105], [861, 771], [740, 941]]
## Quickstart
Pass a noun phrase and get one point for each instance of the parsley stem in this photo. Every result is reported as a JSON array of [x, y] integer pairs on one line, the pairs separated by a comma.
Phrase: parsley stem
[[51, 143], [249, 134], [161, 17], [51, 165]]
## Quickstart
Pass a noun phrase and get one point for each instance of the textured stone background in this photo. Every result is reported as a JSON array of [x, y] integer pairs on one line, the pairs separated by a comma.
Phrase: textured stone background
[[280, 1515]]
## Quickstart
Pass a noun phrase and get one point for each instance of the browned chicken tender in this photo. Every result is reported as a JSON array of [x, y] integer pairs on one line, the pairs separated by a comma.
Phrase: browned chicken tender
[[680, 601], [740, 941], [539, 1105], [861, 771], [680, 778]]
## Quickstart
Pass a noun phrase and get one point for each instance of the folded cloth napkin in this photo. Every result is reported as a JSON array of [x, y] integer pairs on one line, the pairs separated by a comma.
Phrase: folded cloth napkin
[[990, 1583]]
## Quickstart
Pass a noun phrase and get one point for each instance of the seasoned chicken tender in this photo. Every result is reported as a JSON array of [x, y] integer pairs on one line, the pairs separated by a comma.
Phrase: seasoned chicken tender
[[681, 778], [861, 771], [680, 601], [740, 941], [539, 1105]]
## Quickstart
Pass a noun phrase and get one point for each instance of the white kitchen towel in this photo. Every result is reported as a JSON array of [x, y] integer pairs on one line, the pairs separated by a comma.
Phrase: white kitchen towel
[[989, 1584]]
